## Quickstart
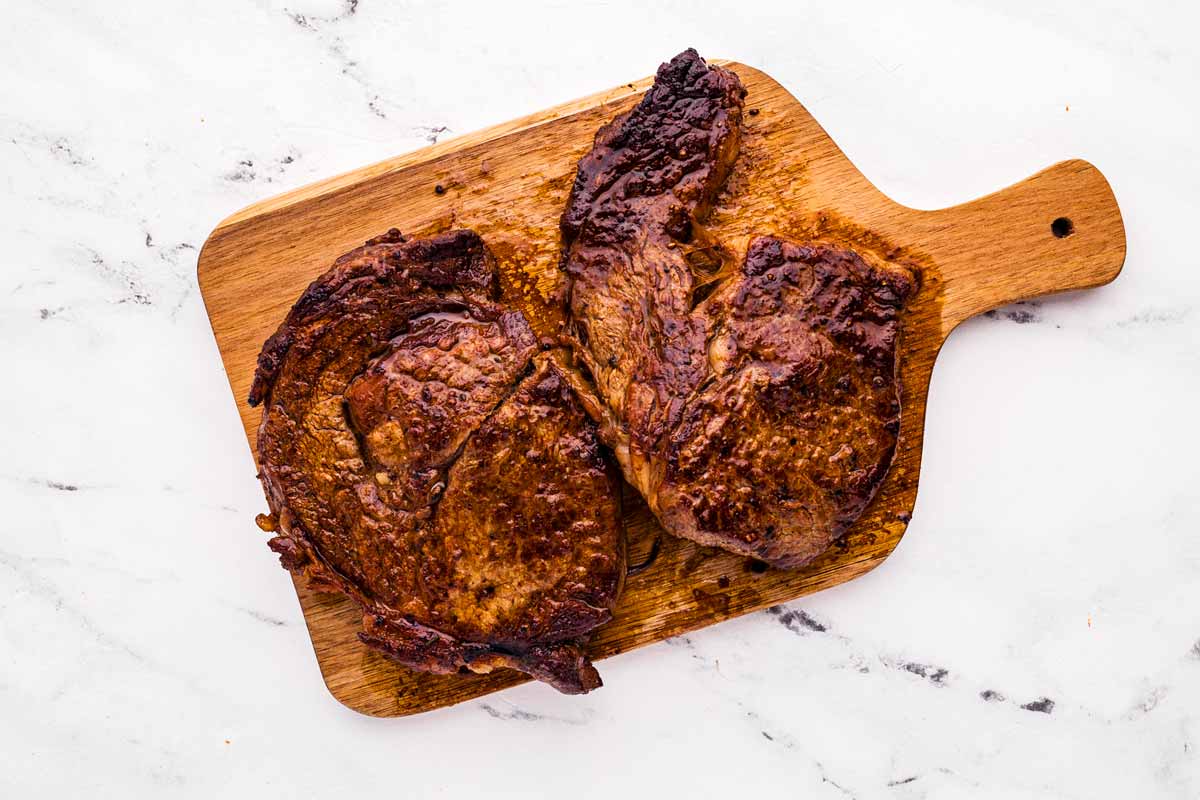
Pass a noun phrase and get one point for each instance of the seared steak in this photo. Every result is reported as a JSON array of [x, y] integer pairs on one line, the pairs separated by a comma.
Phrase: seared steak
[[422, 456], [789, 436], [760, 417]]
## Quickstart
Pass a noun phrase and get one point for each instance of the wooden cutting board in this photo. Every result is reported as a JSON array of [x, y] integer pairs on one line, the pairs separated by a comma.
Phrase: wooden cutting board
[[1058, 230]]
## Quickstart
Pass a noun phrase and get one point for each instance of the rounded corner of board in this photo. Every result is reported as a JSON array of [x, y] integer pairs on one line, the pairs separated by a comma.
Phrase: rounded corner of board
[[896, 532], [352, 703], [877, 560], [357, 696], [203, 260]]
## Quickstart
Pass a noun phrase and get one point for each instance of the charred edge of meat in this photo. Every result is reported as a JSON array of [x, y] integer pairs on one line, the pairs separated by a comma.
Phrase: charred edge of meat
[[565, 666], [453, 260], [691, 105]]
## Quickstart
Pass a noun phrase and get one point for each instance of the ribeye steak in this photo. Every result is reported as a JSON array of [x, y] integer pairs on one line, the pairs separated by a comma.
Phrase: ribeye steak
[[756, 408], [422, 456]]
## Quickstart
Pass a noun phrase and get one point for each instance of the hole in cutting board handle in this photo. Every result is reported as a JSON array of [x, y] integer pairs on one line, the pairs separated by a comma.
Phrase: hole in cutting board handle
[[1062, 227]]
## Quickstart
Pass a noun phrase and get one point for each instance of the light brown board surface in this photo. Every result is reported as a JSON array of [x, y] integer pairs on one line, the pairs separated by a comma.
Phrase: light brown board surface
[[510, 183]]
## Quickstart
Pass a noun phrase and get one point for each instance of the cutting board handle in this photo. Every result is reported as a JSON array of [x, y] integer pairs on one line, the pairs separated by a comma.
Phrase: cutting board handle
[[1056, 231]]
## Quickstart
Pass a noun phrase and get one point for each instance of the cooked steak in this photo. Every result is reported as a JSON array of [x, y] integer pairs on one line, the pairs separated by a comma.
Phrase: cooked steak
[[757, 411], [791, 432], [422, 456]]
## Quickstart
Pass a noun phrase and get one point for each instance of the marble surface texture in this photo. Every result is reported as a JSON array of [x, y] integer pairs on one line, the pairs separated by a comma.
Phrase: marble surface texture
[[1035, 635]]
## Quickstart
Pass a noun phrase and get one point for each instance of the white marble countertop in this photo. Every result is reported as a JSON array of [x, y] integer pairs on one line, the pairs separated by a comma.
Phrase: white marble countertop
[[1035, 635]]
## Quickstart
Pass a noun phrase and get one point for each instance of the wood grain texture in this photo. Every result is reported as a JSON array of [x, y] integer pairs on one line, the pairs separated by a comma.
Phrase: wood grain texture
[[510, 183]]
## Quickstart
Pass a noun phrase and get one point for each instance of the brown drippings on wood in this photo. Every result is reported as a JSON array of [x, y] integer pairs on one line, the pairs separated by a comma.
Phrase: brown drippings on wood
[[714, 603]]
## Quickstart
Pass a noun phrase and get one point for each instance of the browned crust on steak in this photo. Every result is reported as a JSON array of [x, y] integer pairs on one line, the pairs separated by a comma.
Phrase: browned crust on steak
[[763, 418], [456, 263], [652, 174], [419, 455], [794, 429]]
